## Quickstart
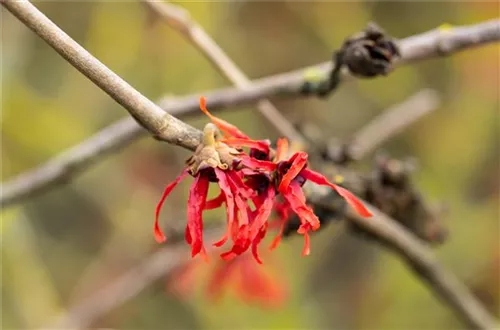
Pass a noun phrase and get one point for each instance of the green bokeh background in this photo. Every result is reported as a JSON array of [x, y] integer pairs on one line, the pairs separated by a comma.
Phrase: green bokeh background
[[63, 246]]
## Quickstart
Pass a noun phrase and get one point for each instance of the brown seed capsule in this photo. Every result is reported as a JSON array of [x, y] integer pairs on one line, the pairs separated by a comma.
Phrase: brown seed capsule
[[369, 53]]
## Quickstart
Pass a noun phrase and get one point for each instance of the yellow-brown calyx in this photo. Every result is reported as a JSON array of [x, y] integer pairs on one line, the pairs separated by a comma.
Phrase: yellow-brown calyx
[[212, 152]]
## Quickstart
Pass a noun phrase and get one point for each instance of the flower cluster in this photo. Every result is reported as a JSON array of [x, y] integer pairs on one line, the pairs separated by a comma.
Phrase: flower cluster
[[262, 177]]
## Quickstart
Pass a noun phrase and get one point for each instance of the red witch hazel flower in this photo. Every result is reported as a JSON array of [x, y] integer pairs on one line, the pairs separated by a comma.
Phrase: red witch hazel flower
[[290, 176], [249, 281], [212, 161], [262, 177]]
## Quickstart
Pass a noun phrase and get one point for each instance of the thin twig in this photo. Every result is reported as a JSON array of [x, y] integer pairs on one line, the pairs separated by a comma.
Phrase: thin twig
[[391, 122], [385, 126], [414, 48], [419, 257], [173, 130], [162, 125], [449, 40], [72, 161], [431, 44], [129, 284], [427, 268], [179, 19]]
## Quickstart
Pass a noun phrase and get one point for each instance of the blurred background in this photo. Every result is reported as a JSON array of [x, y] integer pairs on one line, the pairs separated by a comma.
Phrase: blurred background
[[63, 246]]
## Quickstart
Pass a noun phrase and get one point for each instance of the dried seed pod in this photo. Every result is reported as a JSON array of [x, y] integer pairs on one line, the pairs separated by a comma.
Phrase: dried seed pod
[[367, 54], [370, 53]]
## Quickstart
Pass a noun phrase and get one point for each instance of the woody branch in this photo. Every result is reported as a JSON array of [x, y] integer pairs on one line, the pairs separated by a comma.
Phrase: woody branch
[[172, 130], [418, 256], [65, 166], [179, 19], [175, 254], [150, 116], [129, 284]]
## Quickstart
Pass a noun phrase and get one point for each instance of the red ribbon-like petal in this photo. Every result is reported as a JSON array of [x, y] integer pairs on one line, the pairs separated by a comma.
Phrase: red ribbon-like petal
[[256, 285], [220, 276], [306, 250], [256, 241], [159, 236], [297, 201], [196, 203], [282, 209], [281, 150], [215, 202], [239, 186], [223, 125], [263, 212], [298, 164], [225, 186], [241, 244], [256, 164], [261, 145], [352, 200]]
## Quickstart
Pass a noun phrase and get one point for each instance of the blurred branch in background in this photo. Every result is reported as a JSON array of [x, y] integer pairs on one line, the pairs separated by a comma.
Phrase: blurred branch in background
[[64, 167], [421, 259], [68, 164], [84, 314], [131, 283], [176, 132], [391, 122], [418, 256], [161, 124], [179, 19], [290, 84]]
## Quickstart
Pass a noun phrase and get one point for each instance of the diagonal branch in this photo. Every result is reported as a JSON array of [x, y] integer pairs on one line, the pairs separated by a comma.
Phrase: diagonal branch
[[385, 126], [391, 122], [71, 162], [418, 257], [159, 123], [426, 267], [414, 48], [129, 284], [431, 44], [65, 166], [172, 130], [179, 19]]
